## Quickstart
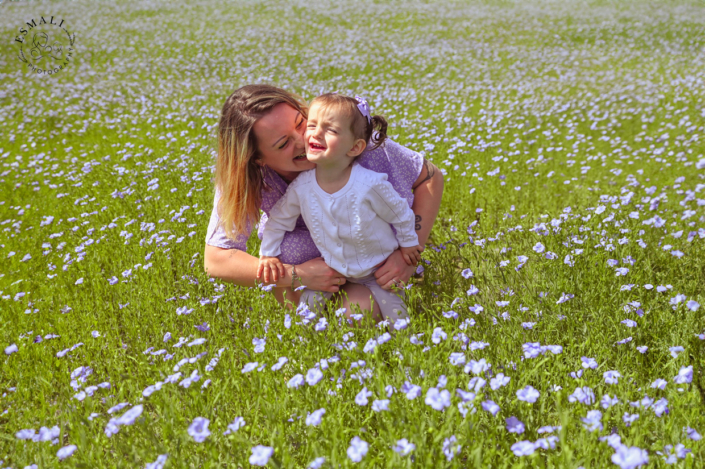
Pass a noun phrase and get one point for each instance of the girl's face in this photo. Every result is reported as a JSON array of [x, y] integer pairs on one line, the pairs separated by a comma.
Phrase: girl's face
[[328, 138], [280, 141]]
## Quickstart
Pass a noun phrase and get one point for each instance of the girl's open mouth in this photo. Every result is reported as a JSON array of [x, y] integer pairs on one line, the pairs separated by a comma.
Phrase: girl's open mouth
[[316, 147]]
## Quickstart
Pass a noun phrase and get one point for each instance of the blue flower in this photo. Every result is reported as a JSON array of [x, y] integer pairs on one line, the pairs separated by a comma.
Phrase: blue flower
[[249, 367], [260, 455], [370, 346], [280, 363], [608, 401], [438, 400], [528, 394], [66, 451], [238, 423], [630, 457], [10, 349], [296, 381], [361, 398], [404, 447], [357, 449], [476, 383], [659, 384], [473, 290], [629, 418], [158, 464], [514, 425], [692, 434], [685, 375], [476, 367], [523, 448], [457, 358], [660, 407], [583, 395], [412, 391], [438, 335], [317, 463], [313, 376], [490, 407], [593, 421], [499, 381], [611, 377], [380, 404], [467, 273], [451, 447], [314, 418], [199, 429]]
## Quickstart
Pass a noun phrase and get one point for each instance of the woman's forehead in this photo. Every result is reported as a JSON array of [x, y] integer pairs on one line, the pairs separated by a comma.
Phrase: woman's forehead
[[280, 117]]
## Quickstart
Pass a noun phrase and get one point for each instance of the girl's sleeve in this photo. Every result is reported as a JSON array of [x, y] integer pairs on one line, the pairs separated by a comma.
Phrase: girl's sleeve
[[393, 209], [215, 236], [282, 218]]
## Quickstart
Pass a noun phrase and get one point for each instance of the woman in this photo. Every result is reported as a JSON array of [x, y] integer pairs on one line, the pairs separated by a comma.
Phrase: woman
[[260, 151]]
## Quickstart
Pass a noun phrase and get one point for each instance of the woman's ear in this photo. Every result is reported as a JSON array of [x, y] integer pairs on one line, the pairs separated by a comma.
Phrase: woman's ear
[[357, 148], [258, 162]]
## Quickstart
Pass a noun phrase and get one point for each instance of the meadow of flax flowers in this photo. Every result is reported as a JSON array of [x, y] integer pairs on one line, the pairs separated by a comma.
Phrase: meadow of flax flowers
[[556, 320]]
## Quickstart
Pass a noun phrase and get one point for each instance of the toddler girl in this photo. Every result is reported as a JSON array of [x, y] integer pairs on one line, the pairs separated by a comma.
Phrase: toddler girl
[[348, 209]]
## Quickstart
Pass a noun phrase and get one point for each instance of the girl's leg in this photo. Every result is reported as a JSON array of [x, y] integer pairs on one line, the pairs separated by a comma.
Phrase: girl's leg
[[315, 300], [359, 295]]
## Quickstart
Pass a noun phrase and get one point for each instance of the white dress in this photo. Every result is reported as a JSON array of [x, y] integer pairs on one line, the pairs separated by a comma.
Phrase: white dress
[[352, 228]]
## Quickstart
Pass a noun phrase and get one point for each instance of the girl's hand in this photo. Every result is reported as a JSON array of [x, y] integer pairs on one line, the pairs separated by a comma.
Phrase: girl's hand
[[317, 275], [394, 271], [412, 255], [271, 267]]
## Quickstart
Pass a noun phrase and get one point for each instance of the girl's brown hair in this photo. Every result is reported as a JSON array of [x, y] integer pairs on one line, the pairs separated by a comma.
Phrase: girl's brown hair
[[358, 123], [237, 176]]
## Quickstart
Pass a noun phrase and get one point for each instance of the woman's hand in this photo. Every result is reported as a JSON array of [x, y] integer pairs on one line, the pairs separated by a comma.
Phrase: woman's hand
[[394, 271], [317, 275]]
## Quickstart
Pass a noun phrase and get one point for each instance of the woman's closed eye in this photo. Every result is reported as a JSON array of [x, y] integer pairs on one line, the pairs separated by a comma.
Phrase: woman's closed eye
[[285, 143]]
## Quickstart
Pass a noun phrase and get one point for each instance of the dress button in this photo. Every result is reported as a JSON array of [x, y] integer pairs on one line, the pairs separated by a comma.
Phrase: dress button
[[344, 265], [339, 244]]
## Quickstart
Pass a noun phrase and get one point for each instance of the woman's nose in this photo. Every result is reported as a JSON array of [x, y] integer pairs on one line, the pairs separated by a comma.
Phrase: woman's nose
[[299, 143]]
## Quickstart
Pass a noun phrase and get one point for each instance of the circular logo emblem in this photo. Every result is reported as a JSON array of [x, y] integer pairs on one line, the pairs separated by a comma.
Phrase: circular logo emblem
[[46, 47]]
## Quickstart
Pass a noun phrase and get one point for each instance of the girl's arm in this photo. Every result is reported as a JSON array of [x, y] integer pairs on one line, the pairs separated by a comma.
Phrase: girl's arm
[[428, 192]]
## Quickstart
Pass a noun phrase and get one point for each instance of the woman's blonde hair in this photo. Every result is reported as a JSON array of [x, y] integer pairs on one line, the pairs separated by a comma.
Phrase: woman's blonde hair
[[237, 175]]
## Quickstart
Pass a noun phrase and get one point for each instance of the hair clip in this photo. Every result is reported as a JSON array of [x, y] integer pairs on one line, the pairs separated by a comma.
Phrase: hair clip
[[364, 108]]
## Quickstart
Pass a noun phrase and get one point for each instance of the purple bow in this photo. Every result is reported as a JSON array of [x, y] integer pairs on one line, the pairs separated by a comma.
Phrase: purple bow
[[364, 108]]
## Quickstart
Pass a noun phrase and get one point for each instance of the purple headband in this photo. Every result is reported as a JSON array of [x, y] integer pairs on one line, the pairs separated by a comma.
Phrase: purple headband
[[364, 108]]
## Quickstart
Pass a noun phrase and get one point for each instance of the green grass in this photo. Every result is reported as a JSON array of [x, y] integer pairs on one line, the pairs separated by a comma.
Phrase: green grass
[[540, 90]]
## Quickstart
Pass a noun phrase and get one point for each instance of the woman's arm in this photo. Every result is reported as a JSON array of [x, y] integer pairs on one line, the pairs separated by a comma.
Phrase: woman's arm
[[428, 192], [240, 268]]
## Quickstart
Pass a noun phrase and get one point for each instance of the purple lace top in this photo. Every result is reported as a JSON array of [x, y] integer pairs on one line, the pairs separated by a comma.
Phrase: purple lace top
[[401, 165]]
